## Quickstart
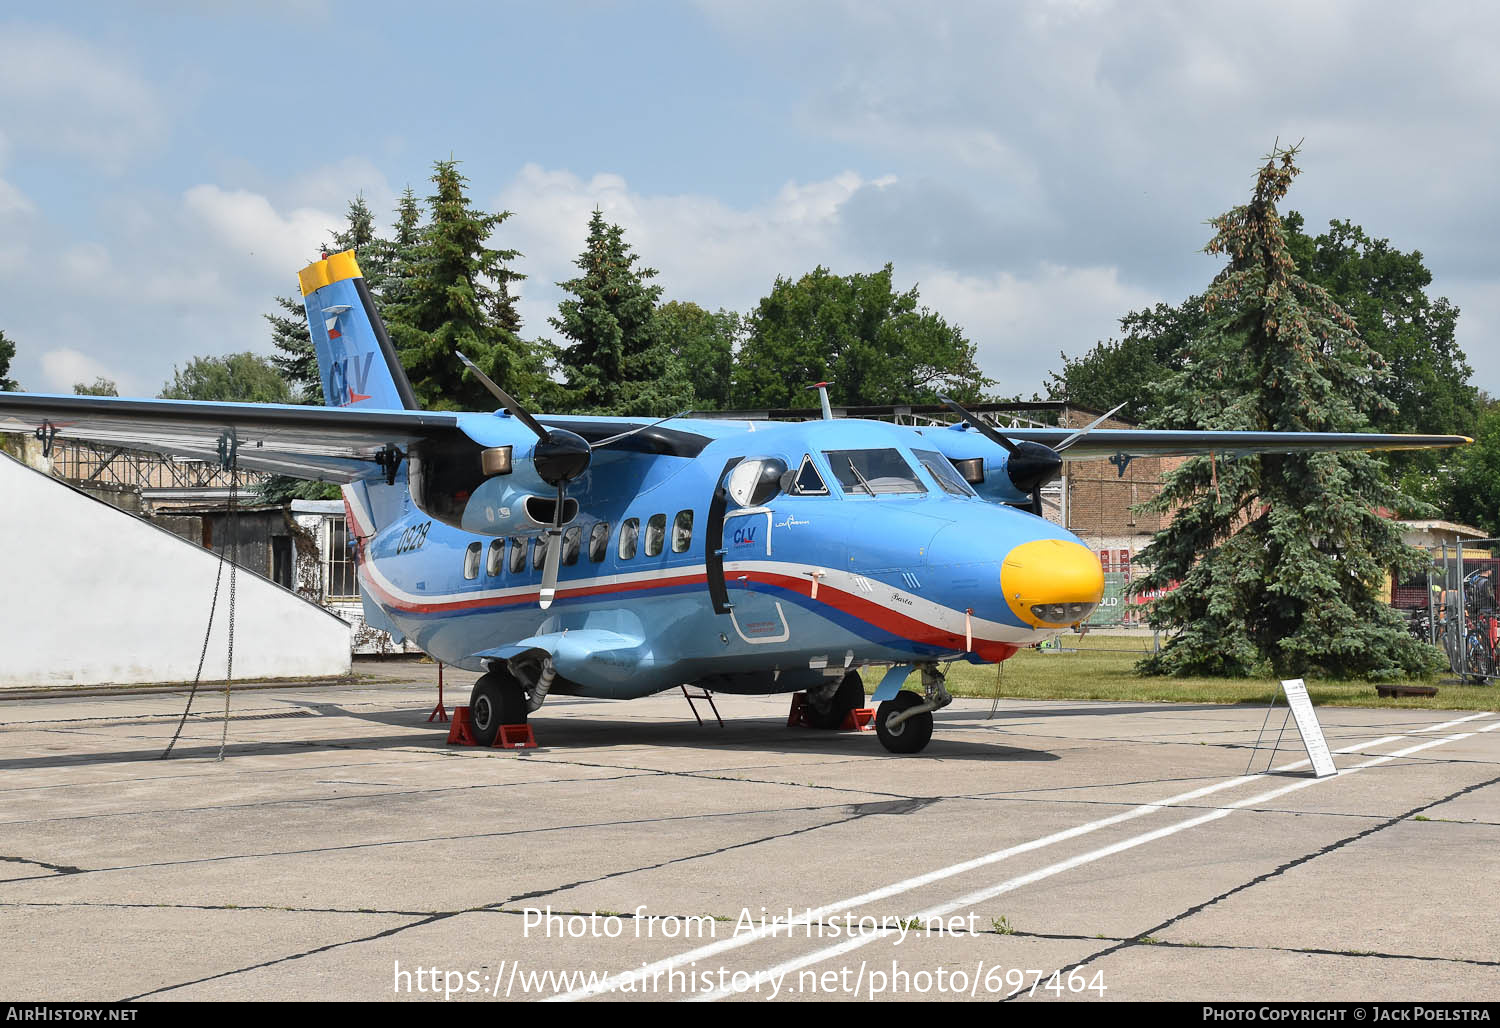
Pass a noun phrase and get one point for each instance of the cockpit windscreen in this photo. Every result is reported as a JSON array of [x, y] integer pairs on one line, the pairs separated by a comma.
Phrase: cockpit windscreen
[[873, 472]]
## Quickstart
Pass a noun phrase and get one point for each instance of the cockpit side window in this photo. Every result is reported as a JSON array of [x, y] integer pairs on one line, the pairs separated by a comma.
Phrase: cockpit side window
[[942, 469], [873, 472], [807, 481]]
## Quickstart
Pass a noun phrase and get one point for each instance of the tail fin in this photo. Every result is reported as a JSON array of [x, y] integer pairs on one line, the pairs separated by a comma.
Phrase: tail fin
[[356, 360]]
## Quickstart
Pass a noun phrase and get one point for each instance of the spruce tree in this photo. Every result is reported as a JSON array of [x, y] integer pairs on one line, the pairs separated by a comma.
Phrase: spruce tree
[[618, 360], [1281, 558], [457, 298]]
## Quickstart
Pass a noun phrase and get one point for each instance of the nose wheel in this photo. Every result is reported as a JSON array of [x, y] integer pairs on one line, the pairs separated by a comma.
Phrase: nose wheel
[[904, 722], [908, 735]]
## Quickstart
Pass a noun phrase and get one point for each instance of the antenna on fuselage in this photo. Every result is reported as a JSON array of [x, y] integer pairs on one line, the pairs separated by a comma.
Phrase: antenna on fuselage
[[822, 388]]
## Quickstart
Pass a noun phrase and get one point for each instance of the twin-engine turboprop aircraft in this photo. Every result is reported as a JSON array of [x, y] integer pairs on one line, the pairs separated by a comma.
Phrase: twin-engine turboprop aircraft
[[617, 557]]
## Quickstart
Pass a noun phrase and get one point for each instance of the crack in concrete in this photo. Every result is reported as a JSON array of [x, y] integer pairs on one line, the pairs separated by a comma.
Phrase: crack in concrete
[[499, 905], [1337, 844], [444, 838]]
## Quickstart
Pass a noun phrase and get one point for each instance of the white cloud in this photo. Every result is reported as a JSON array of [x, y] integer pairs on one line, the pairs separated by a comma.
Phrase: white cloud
[[250, 229], [1020, 323], [12, 201], [65, 368], [721, 256], [60, 94], [707, 251]]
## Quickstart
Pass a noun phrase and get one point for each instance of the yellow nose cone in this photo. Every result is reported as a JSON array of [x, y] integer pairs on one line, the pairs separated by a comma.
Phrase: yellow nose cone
[[1050, 583]]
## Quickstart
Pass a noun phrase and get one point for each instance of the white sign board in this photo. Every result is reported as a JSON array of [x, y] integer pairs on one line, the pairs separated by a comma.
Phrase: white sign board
[[1308, 727]]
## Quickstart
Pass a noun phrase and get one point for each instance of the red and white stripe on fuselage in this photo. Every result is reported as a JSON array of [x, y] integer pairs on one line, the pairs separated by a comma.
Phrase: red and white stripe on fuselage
[[921, 621], [898, 611]]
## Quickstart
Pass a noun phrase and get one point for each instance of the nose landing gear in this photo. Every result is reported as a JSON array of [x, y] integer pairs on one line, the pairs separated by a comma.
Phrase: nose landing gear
[[904, 724]]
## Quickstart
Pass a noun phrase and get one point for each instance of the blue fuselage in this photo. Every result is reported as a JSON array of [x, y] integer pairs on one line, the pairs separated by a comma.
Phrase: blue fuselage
[[852, 576]]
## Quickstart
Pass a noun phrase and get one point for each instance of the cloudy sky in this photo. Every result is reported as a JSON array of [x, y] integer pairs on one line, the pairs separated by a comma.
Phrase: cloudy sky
[[1036, 168]]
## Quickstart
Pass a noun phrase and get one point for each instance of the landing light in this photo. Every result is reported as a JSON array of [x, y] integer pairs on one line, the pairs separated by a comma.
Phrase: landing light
[[1062, 613]]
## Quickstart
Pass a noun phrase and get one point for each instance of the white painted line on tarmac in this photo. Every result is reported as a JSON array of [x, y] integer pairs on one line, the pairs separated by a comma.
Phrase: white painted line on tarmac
[[979, 896], [648, 971]]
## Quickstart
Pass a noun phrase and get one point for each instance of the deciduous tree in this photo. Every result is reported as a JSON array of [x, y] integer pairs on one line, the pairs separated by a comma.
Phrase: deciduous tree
[[871, 343], [236, 377], [7, 354]]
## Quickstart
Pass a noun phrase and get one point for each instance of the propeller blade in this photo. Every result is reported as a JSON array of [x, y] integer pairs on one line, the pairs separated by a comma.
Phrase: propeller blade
[[554, 552], [625, 435], [979, 426], [1060, 447], [549, 567], [506, 400]]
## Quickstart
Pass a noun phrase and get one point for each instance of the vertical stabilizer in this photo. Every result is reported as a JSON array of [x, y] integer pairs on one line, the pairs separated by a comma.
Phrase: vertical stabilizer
[[356, 360]]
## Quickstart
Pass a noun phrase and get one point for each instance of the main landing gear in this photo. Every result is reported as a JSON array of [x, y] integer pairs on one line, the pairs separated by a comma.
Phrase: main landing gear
[[498, 699], [904, 723], [828, 707]]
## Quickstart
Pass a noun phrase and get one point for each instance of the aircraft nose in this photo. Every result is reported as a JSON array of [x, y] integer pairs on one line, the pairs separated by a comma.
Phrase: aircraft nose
[[1052, 583]]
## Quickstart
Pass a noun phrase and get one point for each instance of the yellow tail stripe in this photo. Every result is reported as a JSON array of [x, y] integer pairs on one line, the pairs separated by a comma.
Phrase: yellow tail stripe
[[327, 271]]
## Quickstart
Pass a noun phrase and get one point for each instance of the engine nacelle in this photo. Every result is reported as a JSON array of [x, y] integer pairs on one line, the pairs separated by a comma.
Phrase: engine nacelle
[[499, 483], [994, 473]]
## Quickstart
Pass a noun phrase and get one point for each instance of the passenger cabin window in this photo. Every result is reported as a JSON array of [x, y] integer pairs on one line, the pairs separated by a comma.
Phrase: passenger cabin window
[[807, 481], [538, 552], [942, 469], [754, 482], [471, 560], [517, 555], [630, 531], [494, 560], [682, 531], [656, 534], [873, 472], [570, 542], [598, 541]]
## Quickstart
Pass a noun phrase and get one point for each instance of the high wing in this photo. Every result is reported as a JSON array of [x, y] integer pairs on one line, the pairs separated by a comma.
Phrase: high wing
[[333, 444], [1142, 442], [328, 443]]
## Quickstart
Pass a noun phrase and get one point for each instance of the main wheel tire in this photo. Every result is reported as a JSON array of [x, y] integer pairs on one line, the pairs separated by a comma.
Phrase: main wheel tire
[[911, 735], [850, 695], [498, 699]]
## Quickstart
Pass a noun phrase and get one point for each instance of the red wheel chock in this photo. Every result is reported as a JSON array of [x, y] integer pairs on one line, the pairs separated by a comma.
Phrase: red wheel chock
[[797, 718], [459, 732], [858, 720], [510, 737], [515, 737]]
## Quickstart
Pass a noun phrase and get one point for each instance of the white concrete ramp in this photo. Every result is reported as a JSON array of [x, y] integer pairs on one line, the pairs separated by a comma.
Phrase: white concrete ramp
[[90, 595]]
